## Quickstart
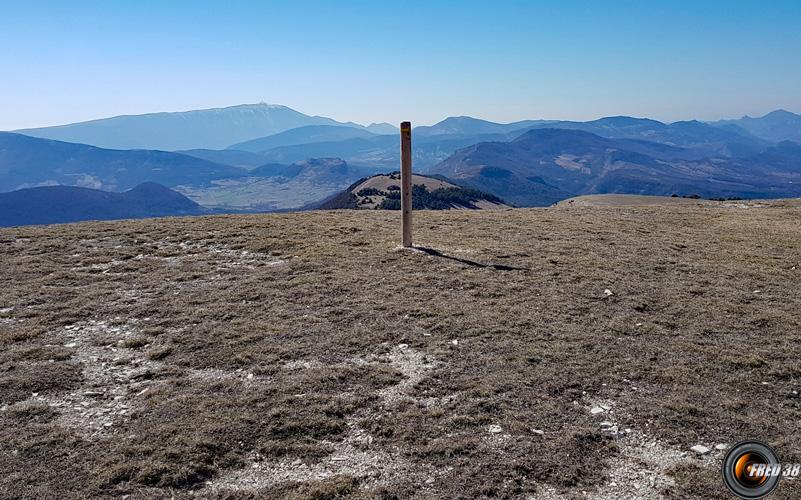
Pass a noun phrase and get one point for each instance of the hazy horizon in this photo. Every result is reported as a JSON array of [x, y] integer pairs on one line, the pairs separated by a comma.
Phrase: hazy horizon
[[345, 119], [67, 62]]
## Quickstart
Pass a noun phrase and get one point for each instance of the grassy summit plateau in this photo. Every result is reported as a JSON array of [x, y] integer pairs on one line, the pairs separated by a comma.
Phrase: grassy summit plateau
[[567, 352]]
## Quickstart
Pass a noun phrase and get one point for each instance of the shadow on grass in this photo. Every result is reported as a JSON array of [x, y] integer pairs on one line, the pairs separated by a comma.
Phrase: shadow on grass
[[497, 267]]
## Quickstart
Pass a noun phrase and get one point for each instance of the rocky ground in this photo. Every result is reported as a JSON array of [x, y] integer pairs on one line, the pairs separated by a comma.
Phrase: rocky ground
[[573, 352]]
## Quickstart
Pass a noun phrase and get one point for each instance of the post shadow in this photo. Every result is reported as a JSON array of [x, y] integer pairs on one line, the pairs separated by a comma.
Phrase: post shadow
[[498, 267]]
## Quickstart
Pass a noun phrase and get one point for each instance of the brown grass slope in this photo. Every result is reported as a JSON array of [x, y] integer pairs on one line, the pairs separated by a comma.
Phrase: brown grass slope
[[306, 356]]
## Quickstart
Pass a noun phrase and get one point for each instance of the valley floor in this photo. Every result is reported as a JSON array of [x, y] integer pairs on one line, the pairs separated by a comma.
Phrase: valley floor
[[571, 352]]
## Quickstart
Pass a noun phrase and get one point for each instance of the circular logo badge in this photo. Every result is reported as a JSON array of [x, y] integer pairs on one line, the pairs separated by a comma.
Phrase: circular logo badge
[[751, 469]]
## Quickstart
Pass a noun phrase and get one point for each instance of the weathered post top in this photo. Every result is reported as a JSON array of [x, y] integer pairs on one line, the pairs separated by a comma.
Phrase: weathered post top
[[406, 182]]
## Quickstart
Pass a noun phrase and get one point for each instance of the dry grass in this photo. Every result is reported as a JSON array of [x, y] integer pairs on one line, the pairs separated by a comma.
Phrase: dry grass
[[305, 355]]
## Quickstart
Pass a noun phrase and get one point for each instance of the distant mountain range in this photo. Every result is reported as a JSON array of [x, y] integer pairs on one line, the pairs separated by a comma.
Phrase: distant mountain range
[[232, 157], [697, 139], [433, 144], [29, 162], [229, 127], [201, 129], [302, 135], [465, 125], [545, 165], [777, 126], [382, 151], [263, 156], [382, 128], [59, 204]]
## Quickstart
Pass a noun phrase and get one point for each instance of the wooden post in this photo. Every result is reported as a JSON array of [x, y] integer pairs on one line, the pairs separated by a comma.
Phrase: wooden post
[[406, 182]]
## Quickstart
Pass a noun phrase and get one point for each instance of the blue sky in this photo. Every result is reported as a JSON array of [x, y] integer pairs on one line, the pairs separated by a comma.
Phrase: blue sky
[[66, 61]]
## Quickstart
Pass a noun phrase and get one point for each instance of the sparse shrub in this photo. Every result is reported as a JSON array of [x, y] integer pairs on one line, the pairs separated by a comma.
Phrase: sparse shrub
[[154, 331], [330, 488], [390, 204], [31, 411], [134, 343], [159, 354], [56, 353], [18, 383], [312, 451]]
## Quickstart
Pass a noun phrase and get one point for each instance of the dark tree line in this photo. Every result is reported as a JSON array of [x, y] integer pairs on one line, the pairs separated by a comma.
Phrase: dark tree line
[[438, 199]]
